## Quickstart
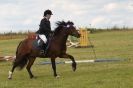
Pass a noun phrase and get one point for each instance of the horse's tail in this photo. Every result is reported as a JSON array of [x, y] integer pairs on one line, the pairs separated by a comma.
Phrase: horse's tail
[[21, 58], [23, 61]]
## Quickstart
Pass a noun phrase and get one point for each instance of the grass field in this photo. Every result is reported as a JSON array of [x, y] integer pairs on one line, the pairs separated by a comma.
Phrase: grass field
[[114, 44]]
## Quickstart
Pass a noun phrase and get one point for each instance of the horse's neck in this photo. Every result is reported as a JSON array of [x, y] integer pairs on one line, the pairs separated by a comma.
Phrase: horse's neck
[[61, 39]]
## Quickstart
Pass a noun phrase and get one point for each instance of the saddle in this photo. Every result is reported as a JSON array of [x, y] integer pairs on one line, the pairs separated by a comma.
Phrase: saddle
[[37, 42]]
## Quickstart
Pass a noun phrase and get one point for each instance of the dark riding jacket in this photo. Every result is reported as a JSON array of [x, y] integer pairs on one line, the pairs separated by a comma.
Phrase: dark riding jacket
[[45, 27]]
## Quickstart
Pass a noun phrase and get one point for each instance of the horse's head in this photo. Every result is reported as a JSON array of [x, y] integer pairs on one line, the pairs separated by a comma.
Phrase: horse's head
[[68, 28], [71, 29]]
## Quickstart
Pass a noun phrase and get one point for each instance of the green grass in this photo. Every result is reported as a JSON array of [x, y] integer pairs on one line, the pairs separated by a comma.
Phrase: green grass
[[114, 44]]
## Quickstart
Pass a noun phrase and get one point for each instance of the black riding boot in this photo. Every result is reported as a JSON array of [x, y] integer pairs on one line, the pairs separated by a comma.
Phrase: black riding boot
[[43, 51]]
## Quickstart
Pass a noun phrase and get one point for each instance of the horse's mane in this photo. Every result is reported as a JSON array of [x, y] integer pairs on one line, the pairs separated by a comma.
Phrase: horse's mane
[[60, 24]]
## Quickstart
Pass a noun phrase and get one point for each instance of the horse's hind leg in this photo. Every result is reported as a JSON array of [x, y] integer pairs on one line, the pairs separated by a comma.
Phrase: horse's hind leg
[[30, 63], [15, 64], [72, 58]]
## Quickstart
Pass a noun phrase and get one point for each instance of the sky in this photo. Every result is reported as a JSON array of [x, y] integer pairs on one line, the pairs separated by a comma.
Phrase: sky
[[24, 15]]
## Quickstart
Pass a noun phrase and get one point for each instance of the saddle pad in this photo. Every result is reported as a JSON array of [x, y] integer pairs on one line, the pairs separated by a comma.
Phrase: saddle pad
[[36, 45]]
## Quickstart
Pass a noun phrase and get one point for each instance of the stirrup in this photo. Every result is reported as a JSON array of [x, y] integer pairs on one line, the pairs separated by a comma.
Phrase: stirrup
[[42, 52]]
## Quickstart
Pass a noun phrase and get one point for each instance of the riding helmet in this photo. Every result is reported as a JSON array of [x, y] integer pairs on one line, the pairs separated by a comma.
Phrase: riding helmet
[[48, 12]]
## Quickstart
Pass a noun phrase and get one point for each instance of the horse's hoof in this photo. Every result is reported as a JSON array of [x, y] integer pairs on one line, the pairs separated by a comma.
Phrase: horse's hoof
[[10, 75], [33, 77], [74, 66], [9, 78], [57, 76], [74, 69]]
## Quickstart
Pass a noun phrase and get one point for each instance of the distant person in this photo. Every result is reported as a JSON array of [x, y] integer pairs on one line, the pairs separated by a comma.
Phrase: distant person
[[45, 27]]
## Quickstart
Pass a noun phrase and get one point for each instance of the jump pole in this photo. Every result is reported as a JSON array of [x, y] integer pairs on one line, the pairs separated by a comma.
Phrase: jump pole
[[84, 61]]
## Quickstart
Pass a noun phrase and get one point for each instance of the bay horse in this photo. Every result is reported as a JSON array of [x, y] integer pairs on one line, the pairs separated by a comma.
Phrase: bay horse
[[26, 53]]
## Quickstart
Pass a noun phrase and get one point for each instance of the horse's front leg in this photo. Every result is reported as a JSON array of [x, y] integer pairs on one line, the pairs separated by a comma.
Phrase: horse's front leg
[[72, 58], [54, 67]]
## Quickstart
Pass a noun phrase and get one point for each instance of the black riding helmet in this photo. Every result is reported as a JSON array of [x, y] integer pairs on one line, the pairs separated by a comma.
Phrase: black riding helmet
[[47, 12]]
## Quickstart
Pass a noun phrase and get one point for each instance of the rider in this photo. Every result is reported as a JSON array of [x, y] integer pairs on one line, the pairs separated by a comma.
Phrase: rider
[[45, 26]]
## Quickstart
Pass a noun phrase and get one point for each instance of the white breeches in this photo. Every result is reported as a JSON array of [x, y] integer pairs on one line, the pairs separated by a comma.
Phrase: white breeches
[[43, 37]]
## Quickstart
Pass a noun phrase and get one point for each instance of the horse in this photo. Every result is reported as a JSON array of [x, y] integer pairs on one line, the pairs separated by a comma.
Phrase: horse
[[26, 53]]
